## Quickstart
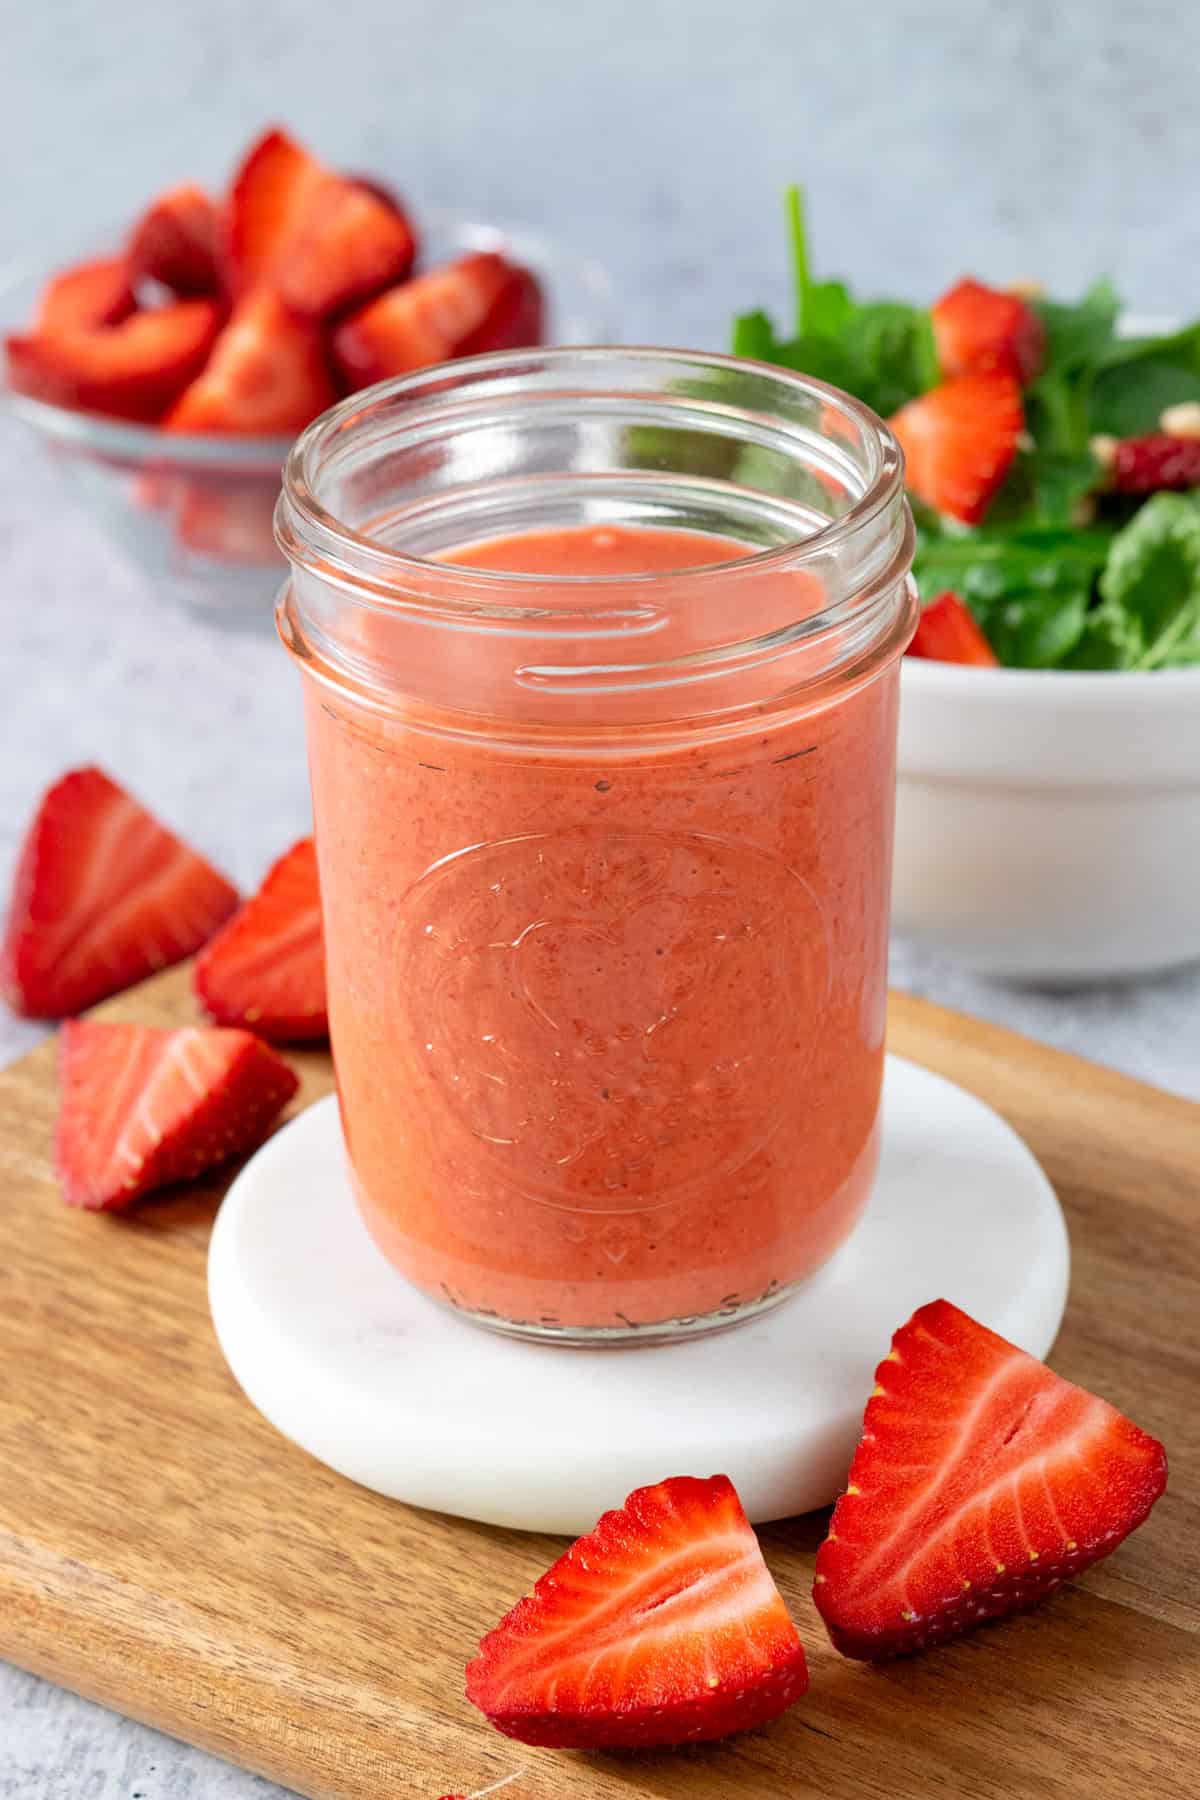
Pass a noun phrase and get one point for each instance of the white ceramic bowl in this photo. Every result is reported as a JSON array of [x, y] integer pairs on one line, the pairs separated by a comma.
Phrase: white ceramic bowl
[[1048, 822]]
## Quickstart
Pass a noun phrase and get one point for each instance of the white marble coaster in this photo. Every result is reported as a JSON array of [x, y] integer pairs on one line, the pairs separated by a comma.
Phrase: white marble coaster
[[339, 1353]]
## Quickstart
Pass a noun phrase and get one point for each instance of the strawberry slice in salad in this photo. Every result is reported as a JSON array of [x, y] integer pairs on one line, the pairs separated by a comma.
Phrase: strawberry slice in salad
[[662, 1626], [980, 330], [946, 632], [982, 1483], [959, 442], [1052, 457]]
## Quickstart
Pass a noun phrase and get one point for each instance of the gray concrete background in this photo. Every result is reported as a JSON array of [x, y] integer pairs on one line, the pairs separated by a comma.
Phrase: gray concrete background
[[935, 138]]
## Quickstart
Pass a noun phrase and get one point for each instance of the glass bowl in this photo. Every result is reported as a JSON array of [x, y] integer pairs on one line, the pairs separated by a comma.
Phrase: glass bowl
[[193, 515]]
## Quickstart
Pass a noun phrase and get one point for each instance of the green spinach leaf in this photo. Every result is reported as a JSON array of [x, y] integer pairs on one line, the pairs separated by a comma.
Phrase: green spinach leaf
[[1151, 582]]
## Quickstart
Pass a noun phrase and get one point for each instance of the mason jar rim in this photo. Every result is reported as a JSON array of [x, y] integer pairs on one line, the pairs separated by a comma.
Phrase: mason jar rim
[[308, 531]]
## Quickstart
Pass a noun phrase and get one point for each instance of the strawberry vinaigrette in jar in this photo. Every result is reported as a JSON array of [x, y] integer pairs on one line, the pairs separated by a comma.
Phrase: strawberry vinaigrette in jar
[[600, 652]]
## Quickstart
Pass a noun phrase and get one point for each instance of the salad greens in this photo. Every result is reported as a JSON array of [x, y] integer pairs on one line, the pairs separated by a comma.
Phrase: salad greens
[[1061, 573]]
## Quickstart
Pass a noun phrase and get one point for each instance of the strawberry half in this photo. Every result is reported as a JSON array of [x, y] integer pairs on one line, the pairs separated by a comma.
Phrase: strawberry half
[[981, 1484], [133, 370], [946, 632], [662, 1626], [959, 441], [84, 297], [142, 1107], [351, 245], [473, 304], [515, 322], [175, 242], [103, 896], [267, 374], [269, 200], [266, 969], [979, 329]]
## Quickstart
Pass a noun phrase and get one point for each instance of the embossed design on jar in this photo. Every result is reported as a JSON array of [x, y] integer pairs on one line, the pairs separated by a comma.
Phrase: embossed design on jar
[[569, 994]]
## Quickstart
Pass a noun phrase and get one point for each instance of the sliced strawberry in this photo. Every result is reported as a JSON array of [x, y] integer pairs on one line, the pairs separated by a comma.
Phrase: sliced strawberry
[[266, 969], [661, 1626], [89, 295], [269, 200], [175, 242], [979, 329], [103, 896], [959, 441], [350, 245], [133, 370], [946, 632], [1145, 465], [515, 322], [267, 374], [431, 319], [982, 1483], [142, 1107]]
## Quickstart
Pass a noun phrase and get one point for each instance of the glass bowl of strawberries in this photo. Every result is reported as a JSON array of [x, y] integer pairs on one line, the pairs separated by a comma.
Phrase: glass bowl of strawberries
[[167, 376]]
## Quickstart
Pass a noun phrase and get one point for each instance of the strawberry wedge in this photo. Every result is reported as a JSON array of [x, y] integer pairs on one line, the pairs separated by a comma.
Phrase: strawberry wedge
[[84, 297], [982, 1482], [269, 198], [662, 1626], [977, 329], [175, 242], [959, 441], [103, 896], [323, 241], [352, 245], [267, 374], [131, 370], [266, 969], [142, 1108], [947, 632], [481, 302]]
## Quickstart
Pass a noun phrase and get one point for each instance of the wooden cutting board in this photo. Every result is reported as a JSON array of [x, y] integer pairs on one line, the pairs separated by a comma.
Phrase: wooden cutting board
[[163, 1551]]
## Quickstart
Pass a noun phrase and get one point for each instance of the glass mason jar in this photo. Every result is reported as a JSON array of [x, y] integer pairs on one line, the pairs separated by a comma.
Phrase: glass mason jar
[[604, 856]]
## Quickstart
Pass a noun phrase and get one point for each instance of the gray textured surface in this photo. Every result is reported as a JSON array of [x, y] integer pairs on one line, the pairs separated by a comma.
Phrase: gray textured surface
[[935, 137]]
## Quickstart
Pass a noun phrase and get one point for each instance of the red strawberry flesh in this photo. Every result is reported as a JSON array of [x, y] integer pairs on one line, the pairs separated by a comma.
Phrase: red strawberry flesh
[[268, 202], [446, 313], [978, 329], [267, 375], [176, 242], [142, 1108], [661, 1626], [81, 298], [947, 632], [982, 1482], [131, 370], [350, 245], [959, 441], [104, 895], [266, 969], [516, 322]]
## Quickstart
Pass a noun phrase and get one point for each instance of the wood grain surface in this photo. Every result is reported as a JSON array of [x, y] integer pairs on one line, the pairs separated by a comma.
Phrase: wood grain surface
[[163, 1551]]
